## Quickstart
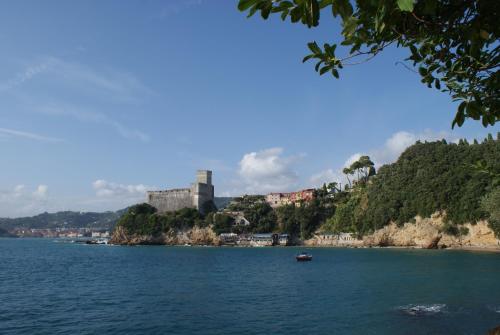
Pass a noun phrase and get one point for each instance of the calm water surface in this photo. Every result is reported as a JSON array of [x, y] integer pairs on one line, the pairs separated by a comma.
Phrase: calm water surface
[[61, 288]]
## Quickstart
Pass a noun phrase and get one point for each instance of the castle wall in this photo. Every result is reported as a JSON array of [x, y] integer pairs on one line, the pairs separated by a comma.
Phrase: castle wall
[[170, 200], [194, 197]]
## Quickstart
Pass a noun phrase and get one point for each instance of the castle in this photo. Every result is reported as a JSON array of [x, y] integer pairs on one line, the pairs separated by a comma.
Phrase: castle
[[196, 196]]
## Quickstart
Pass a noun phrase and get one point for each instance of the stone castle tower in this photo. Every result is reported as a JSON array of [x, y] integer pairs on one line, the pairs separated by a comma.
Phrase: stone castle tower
[[196, 196]]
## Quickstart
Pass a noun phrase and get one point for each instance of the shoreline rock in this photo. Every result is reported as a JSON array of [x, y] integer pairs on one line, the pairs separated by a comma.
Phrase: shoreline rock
[[424, 233], [194, 236]]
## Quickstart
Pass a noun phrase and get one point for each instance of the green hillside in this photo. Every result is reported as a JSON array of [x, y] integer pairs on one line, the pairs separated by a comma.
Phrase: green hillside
[[427, 177]]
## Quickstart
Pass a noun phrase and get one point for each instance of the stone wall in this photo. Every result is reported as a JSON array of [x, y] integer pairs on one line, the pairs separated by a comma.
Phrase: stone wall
[[202, 193], [194, 197], [171, 200]]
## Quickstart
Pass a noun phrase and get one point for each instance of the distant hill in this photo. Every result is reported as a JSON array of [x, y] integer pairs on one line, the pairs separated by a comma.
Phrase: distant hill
[[222, 202], [69, 219], [66, 219]]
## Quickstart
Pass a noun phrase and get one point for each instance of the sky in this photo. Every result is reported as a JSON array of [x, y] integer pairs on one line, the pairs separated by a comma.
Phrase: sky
[[103, 100]]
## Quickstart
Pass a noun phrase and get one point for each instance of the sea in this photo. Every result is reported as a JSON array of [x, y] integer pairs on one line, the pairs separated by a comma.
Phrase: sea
[[50, 286]]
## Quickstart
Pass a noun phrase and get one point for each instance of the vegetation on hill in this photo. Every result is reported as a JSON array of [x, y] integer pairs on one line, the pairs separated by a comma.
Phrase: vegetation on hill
[[453, 45], [427, 178], [66, 219], [142, 219], [460, 180]]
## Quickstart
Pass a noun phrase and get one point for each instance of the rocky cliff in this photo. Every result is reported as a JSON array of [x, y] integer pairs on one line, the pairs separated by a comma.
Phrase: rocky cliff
[[194, 236], [423, 233]]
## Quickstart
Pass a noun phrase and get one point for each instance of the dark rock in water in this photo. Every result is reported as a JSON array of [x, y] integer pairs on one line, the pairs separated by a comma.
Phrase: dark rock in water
[[494, 331], [434, 243], [443, 246]]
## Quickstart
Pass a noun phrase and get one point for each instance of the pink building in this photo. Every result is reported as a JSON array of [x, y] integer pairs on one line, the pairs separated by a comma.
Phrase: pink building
[[280, 199]]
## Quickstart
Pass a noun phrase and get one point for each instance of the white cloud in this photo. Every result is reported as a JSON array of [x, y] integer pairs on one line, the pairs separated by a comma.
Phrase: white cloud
[[120, 85], [20, 201], [27, 135], [27, 74], [268, 170], [41, 191], [107, 189]]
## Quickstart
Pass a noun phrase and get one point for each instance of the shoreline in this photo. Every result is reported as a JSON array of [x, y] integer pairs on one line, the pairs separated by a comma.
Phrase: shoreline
[[465, 248], [461, 248]]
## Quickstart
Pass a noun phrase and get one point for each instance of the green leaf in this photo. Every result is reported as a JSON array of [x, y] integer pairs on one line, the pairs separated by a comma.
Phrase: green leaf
[[473, 110], [243, 5], [406, 5], [313, 46], [324, 70], [460, 117], [342, 7], [437, 83], [335, 73], [324, 3], [306, 58], [350, 25]]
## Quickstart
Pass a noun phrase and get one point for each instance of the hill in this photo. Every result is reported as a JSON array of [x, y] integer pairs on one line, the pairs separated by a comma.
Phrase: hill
[[66, 219], [451, 178]]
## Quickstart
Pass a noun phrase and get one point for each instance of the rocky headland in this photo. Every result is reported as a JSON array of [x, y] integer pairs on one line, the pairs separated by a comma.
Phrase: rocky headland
[[193, 236]]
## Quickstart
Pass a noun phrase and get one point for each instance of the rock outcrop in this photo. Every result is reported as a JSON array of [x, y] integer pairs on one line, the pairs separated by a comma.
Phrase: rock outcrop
[[194, 236], [428, 233], [425, 233]]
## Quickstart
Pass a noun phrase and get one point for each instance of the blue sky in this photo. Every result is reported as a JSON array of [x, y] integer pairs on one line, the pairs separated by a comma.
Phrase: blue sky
[[101, 100]]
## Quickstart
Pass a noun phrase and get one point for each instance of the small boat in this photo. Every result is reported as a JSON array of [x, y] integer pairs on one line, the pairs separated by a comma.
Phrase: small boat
[[304, 257]]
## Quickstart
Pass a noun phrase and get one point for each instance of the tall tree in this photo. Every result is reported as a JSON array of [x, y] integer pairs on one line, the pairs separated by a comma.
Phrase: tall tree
[[453, 44], [348, 171]]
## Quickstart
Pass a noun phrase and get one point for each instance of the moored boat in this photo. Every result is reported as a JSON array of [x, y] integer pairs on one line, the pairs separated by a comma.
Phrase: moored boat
[[303, 257]]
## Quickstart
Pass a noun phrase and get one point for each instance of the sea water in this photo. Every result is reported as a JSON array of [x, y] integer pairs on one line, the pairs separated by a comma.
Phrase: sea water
[[50, 287]]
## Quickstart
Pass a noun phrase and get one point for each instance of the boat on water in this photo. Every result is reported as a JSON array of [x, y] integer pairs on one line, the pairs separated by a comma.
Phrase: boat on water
[[304, 257]]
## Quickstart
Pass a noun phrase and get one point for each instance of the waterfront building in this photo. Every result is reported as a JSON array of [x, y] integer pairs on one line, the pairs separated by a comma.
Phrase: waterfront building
[[228, 238], [284, 239], [336, 239], [262, 240]]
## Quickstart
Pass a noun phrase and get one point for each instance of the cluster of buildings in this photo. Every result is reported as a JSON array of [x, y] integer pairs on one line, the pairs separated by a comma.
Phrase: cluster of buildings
[[291, 198]]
